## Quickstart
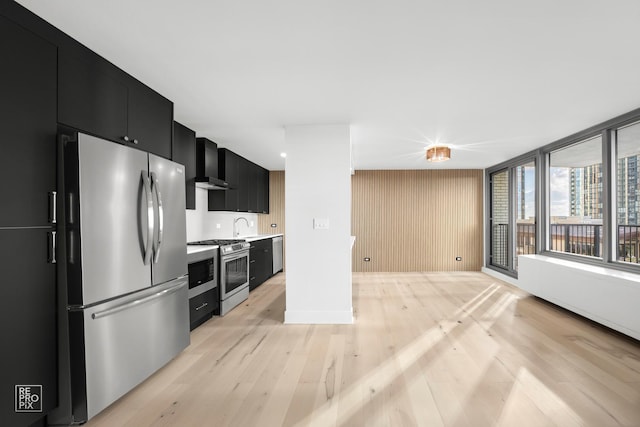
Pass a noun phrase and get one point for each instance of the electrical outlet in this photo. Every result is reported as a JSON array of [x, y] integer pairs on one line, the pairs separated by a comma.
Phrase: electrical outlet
[[218, 226], [458, 258], [250, 223]]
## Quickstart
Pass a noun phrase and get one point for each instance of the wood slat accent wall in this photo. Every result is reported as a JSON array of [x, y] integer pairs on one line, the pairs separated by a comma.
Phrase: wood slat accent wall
[[406, 220], [276, 207], [417, 220]]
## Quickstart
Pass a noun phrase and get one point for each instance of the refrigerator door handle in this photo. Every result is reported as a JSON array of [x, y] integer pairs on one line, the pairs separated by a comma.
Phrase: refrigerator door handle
[[130, 304], [156, 189], [148, 207]]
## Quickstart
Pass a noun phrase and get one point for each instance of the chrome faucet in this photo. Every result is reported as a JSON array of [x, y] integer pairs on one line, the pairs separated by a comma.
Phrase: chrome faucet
[[236, 233]]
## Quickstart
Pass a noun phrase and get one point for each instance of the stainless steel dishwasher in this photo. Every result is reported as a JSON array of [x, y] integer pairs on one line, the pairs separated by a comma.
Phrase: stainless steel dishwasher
[[277, 254]]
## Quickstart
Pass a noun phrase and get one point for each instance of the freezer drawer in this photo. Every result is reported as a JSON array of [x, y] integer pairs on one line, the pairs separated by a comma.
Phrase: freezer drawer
[[125, 341]]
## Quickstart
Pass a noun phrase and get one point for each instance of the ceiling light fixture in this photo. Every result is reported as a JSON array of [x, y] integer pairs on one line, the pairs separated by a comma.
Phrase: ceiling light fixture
[[438, 153], [283, 155]]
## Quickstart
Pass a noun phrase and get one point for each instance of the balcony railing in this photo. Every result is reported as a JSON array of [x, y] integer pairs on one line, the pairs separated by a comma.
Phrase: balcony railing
[[628, 243], [582, 239], [525, 238], [499, 244]]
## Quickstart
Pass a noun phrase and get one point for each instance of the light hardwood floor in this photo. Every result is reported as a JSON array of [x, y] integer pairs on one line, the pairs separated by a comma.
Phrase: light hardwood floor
[[426, 349]]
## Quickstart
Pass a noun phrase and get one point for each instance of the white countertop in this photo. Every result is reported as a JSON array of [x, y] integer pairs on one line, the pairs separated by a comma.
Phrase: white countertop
[[259, 237], [192, 249]]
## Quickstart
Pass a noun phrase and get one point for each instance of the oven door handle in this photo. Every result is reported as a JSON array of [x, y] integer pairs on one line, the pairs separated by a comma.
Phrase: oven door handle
[[237, 255]]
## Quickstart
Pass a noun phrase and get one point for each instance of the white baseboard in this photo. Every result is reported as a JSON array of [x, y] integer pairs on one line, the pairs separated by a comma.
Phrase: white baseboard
[[318, 317]]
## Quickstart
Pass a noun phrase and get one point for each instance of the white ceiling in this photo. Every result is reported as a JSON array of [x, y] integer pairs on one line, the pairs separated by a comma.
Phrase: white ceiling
[[493, 78]]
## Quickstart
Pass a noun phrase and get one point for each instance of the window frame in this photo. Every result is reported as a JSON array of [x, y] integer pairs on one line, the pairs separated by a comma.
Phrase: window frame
[[615, 241], [510, 166], [606, 199], [607, 131]]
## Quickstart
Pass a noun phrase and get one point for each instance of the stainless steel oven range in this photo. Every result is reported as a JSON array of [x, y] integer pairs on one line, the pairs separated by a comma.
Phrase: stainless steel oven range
[[233, 272]]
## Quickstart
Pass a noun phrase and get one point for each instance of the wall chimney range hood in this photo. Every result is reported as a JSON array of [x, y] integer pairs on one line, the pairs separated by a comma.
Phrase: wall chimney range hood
[[207, 166], [211, 183]]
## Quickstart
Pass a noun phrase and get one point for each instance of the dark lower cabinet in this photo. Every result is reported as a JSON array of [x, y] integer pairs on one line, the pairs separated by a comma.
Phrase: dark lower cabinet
[[28, 361], [202, 307], [260, 262]]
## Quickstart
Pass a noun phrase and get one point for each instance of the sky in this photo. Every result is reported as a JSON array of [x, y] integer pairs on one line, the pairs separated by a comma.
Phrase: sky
[[559, 186]]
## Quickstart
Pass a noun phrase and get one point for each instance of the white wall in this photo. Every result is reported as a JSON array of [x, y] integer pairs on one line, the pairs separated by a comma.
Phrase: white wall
[[202, 224], [318, 186], [604, 295]]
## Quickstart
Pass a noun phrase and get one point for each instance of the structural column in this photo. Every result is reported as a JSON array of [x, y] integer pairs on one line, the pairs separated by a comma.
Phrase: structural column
[[318, 224]]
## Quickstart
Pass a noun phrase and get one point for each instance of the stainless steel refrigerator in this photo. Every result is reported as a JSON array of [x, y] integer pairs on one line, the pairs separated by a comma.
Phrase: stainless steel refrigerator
[[126, 267]]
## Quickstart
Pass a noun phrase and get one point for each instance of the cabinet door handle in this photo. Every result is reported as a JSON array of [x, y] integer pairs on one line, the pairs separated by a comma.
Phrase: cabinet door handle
[[135, 141], [52, 247], [252, 261], [53, 203], [125, 138], [204, 304]]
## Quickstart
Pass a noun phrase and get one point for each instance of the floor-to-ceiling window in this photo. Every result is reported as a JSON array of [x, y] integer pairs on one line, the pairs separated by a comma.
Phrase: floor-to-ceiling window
[[525, 213], [627, 202], [499, 253], [512, 219], [587, 208], [575, 198]]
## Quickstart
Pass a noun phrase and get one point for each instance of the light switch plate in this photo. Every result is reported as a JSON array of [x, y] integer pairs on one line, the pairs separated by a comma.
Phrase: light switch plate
[[321, 223]]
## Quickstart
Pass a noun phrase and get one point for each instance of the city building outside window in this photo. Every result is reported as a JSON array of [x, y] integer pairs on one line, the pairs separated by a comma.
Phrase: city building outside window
[[525, 210], [576, 198], [627, 192]]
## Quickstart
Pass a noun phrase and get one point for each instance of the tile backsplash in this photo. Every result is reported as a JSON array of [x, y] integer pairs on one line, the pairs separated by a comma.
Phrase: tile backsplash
[[202, 224]]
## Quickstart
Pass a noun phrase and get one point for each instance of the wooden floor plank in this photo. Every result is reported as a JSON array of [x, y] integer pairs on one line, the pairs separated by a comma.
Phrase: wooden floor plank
[[436, 349]]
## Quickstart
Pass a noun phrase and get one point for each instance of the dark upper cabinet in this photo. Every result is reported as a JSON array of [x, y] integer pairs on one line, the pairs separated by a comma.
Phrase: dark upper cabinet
[[248, 183], [150, 119], [252, 187], [90, 98], [96, 97], [28, 126], [184, 152], [262, 187], [244, 181]]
